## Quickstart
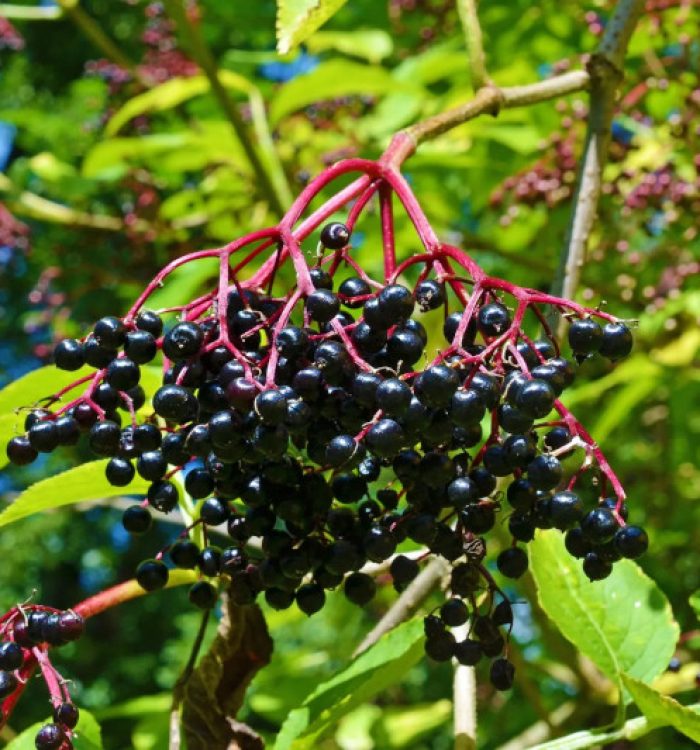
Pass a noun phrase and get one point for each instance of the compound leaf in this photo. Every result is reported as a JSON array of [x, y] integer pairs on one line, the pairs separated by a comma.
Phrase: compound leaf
[[298, 19], [370, 673], [662, 710], [78, 485], [623, 623]]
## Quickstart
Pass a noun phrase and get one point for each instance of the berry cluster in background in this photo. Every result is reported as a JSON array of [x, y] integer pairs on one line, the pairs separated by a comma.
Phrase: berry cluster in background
[[325, 417]]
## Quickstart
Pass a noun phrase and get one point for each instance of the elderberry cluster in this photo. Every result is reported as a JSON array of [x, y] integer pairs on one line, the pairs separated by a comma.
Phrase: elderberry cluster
[[323, 428], [27, 634]]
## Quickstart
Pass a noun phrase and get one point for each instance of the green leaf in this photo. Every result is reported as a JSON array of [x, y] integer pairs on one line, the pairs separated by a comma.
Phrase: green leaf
[[372, 45], [88, 735], [78, 485], [298, 19], [623, 623], [171, 94], [370, 673], [662, 710], [37, 384], [695, 603], [329, 80]]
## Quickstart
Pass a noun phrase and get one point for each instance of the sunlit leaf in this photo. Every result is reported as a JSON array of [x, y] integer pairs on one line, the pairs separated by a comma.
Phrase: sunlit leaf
[[88, 735], [623, 623], [298, 19], [78, 485], [36, 385], [372, 45]]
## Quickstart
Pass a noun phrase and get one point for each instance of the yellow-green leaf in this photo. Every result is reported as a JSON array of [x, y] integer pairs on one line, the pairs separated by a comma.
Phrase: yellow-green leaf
[[662, 710], [37, 384], [623, 623], [78, 485], [298, 19], [372, 45]]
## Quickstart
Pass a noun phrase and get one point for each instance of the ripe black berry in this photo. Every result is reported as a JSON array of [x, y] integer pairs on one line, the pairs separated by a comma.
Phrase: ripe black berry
[[595, 567], [310, 598], [140, 347], [20, 452], [137, 519], [322, 305], [429, 295], [436, 386], [502, 674], [544, 472], [468, 652], [385, 438], [360, 588], [454, 612], [150, 322], [403, 570], [335, 236], [49, 737], [440, 646], [203, 595], [565, 509], [43, 436], [599, 525], [11, 656], [395, 303], [617, 341], [585, 336], [152, 575], [110, 332], [493, 319], [66, 714], [631, 541], [512, 562], [69, 355], [104, 438], [535, 399], [8, 684], [182, 341], [175, 403]]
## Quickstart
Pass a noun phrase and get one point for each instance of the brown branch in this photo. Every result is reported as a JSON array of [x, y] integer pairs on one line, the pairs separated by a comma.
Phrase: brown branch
[[605, 71]]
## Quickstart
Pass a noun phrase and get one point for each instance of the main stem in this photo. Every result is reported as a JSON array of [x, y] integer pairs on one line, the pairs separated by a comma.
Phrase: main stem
[[605, 70]]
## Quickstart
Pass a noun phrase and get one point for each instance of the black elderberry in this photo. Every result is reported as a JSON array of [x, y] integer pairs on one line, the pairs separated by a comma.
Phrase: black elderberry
[[461, 492], [493, 319], [20, 451], [484, 480], [496, 461], [385, 438], [199, 483], [214, 511], [502, 613], [599, 525], [502, 674], [96, 355], [149, 321], [488, 387], [485, 629], [454, 612], [335, 236], [521, 494], [152, 575], [322, 305], [69, 355], [429, 295], [175, 403], [349, 488], [478, 518], [163, 496], [585, 337], [468, 652], [576, 543], [512, 419], [512, 562], [436, 386], [140, 347], [379, 544], [612, 504], [49, 737], [104, 438], [494, 647], [310, 598], [183, 341], [617, 341], [535, 398], [203, 595], [360, 588], [451, 324], [43, 436], [151, 465], [354, 287], [137, 519], [11, 656], [393, 397], [395, 303], [66, 714], [467, 408], [631, 541], [544, 472], [184, 554], [209, 561], [440, 646], [403, 570], [522, 527], [110, 332], [565, 509], [68, 430], [556, 438], [595, 567], [552, 375]]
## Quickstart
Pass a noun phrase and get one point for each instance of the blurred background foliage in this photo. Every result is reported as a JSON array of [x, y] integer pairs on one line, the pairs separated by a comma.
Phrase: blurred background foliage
[[116, 157]]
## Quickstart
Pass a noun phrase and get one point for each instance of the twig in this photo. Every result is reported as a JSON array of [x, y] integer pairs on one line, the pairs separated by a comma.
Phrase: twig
[[475, 44], [489, 99], [411, 598], [93, 31], [178, 689], [202, 54], [464, 702], [605, 70]]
